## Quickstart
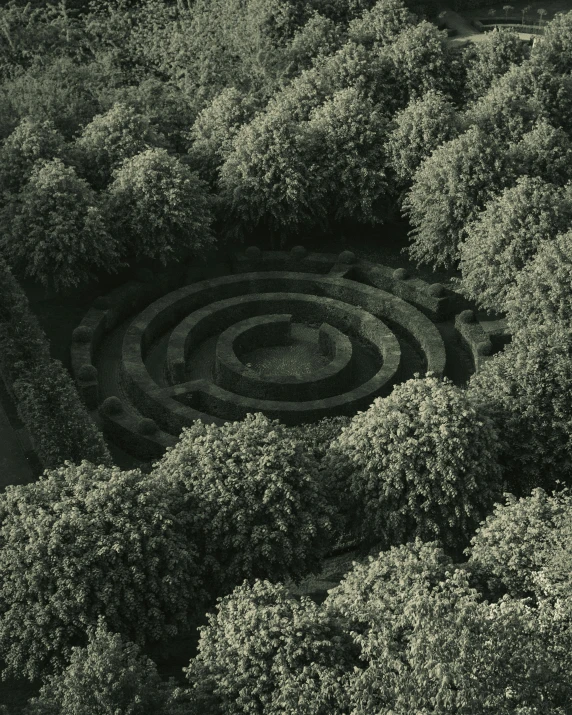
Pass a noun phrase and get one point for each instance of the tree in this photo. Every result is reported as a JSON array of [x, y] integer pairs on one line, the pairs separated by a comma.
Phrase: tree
[[429, 643], [266, 178], [491, 59], [30, 142], [423, 462], [418, 61], [544, 152], [350, 175], [111, 138], [527, 390], [542, 292], [61, 90], [160, 207], [165, 105], [531, 88], [524, 11], [108, 675], [506, 235], [264, 652], [554, 52], [448, 189], [214, 130], [515, 543], [84, 542], [507, 9], [505, 112], [541, 13], [253, 499], [56, 231], [380, 25], [319, 37], [418, 130]]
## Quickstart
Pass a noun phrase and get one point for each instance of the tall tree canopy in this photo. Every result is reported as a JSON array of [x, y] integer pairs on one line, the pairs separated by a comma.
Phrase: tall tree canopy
[[505, 236], [159, 207], [84, 542], [423, 462], [542, 292], [252, 497], [527, 389], [56, 229], [108, 675], [418, 130], [448, 190]]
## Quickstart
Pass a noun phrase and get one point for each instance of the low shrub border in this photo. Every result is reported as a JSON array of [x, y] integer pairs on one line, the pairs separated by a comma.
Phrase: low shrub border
[[474, 337], [58, 426]]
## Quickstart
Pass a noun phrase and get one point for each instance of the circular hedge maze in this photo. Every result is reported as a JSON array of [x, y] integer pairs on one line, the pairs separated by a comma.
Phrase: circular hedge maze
[[296, 336]]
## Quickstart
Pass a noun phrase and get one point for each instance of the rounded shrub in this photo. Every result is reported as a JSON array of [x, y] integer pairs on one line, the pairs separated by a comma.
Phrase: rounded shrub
[[400, 274], [82, 334], [147, 426], [347, 257], [419, 463], [485, 348], [111, 406], [253, 253], [298, 252], [467, 316], [437, 290], [255, 495], [87, 373]]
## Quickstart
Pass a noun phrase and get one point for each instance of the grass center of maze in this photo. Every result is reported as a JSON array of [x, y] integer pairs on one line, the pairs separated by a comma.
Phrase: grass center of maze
[[299, 356]]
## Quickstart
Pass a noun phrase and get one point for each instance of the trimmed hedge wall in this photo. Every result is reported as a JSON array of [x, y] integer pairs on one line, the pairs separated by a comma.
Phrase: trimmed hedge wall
[[474, 337], [164, 314], [177, 406], [48, 404], [233, 375], [60, 427]]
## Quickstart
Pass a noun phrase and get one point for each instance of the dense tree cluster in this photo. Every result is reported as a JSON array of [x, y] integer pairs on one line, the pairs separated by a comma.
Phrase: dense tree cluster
[[145, 132]]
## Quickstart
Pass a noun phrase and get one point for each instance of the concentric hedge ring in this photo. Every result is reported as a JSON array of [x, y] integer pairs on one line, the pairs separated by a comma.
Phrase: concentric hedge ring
[[307, 297], [358, 332], [232, 374]]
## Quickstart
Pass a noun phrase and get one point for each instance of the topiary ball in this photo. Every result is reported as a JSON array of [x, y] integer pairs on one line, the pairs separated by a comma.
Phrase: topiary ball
[[253, 253], [437, 290], [87, 373], [347, 257], [467, 316], [147, 426], [298, 252], [400, 274], [102, 302], [82, 334], [485, 348], [144, 275], [112, 406]]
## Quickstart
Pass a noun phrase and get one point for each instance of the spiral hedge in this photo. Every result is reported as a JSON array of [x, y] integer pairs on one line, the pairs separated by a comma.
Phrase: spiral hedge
[[175, 350]]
